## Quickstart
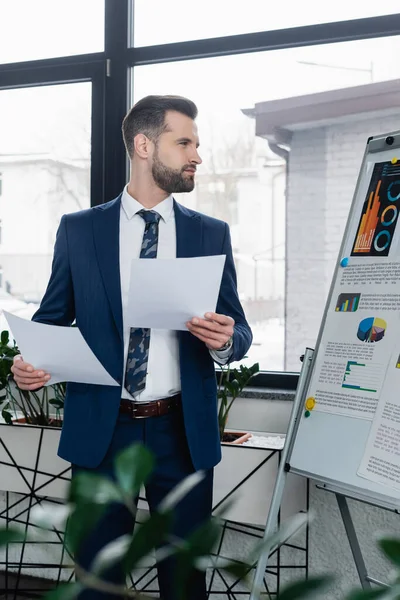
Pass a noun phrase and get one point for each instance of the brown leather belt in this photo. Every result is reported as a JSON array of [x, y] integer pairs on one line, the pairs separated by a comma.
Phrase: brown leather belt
[[157, 408]]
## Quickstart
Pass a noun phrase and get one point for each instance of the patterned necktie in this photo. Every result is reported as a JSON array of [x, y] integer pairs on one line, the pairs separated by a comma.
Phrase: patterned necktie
[[139, 339]]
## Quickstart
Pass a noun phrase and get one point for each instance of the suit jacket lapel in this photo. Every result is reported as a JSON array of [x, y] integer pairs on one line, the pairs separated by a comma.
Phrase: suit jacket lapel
[[106, 239], [189, 237], [189, 231]]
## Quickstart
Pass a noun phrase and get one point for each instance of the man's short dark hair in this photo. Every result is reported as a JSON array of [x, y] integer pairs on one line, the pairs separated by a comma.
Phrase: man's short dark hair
[[147, 116]]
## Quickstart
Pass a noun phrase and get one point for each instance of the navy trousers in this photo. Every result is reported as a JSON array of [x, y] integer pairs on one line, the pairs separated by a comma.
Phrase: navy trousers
[[165, 437]]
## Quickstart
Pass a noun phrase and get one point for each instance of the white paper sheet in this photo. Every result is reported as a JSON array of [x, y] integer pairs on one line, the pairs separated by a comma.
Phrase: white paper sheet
[[381, 459], [60, 351], [360, 332], [166, 293]]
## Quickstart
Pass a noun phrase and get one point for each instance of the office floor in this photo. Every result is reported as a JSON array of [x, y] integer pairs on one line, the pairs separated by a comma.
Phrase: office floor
[[24, 583], [42, 584]]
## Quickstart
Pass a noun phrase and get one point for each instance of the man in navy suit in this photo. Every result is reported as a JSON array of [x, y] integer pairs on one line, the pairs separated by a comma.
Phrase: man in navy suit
[[168, 394]]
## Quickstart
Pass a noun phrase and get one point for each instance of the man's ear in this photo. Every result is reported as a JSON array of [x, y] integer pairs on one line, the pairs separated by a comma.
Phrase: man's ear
[[142, 145]]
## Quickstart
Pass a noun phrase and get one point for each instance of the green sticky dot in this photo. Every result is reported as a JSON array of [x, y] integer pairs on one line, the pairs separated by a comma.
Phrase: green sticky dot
[[307, 413]]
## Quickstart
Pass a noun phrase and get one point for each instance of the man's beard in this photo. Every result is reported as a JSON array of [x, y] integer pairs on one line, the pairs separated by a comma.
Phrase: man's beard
[[170, 180]]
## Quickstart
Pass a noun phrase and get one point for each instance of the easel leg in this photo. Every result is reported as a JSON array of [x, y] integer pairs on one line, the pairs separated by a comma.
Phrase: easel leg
[[270, 528], [353, 541], [272, 519]]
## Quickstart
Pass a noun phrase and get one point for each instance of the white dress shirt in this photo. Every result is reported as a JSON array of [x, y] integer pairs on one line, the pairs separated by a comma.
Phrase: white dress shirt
[[163, 372]]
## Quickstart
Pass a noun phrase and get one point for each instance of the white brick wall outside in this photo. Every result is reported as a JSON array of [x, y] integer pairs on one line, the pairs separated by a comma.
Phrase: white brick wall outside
[[324, 164]]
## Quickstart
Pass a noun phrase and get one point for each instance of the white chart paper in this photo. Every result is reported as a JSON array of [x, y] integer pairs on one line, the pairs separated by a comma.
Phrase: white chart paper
[[60, 351], [380, 462], [361, 330], [167, 293]]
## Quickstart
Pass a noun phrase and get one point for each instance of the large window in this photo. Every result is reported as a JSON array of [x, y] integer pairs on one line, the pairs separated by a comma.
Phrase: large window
[[276, 167], [45, 164], [242, 181], [162, 22], [34, 29]]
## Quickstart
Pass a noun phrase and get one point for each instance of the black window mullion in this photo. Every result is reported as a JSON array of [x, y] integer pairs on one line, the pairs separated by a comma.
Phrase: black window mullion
[[325, 33], [117, 27], [110, 74], [97, 149], [45, 73], [39, 74]]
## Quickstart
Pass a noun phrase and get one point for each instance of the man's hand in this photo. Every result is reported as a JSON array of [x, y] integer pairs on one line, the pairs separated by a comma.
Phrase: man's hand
[[215, 330], [26, 377]]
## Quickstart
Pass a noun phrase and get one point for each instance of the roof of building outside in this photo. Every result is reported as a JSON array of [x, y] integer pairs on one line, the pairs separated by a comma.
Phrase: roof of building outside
[[277, 119]]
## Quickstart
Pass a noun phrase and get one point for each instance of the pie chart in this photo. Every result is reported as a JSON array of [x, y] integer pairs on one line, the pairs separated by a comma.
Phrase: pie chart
[[371, 329]]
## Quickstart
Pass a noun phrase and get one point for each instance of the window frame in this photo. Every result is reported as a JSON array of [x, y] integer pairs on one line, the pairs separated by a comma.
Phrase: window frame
[[112, 75]]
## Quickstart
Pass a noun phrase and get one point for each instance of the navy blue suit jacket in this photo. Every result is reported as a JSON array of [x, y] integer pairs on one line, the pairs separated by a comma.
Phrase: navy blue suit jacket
[[85, 285]]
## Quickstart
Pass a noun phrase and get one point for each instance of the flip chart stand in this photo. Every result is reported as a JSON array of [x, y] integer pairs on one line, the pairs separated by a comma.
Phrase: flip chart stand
[[354, 544], [284, 468], [272, 519]]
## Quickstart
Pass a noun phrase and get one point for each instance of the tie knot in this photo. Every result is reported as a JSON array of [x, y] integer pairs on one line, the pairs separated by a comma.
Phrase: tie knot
[[150, 216]]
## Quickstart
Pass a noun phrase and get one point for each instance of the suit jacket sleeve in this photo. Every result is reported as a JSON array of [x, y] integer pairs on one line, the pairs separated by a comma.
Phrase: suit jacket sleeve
[[229, 303], [57, 306]]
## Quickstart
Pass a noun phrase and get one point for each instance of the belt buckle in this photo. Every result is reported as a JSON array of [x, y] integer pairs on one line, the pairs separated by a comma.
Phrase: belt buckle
[[134, 409]]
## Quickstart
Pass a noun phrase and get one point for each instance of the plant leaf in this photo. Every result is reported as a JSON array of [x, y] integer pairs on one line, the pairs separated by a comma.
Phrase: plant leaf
[[8, 536], [255, 368], [64, 591], [133, 467], [235, 386], [81, 522], [148, 536], [202, 541], [239, 570], [391, 549], [287, 529], [51, 516], [56, 402], [236, 568], [304, 589], [93, 489], [7, 416], [180, 491], [197, 546], [222, 511], [110, 554], [5, 337], [367, 594]]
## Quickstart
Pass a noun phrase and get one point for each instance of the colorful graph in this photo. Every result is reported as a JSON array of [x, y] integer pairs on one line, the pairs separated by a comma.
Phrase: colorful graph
[[347, 302], [371, 329], [380, 212], [359, 376], [369, 221]]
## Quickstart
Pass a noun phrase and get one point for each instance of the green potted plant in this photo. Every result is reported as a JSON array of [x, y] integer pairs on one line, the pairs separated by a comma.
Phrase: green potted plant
[[89, 496], [232, 381], [38, 469], [43, 407], [245, 477]]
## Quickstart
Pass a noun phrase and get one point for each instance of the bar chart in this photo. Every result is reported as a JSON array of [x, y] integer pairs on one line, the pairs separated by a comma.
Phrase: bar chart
[[369, 221], [379, 215], [347, 302], [362, 377]]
